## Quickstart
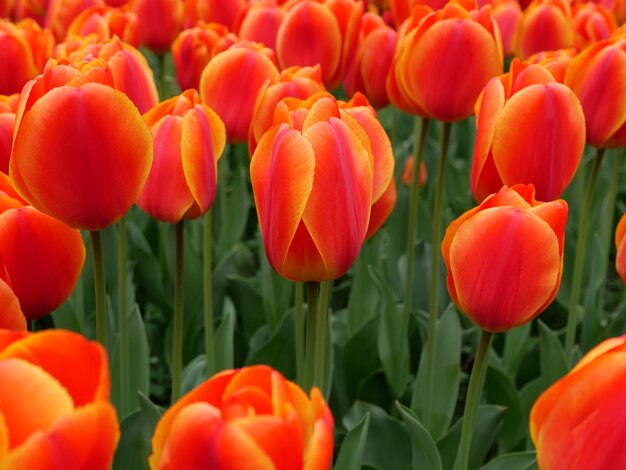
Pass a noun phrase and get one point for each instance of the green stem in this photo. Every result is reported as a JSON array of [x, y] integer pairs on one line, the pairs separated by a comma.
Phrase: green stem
[[320, 343], [311, 335], [420, 141], [177, 340], [100, 286], [579, 260], [477, 379], [394, 126], [299, 333], [209, 342], [434, 274], [123, 315]]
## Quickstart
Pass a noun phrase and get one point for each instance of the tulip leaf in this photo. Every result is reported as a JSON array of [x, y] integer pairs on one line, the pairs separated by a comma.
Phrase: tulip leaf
[[515, 461], [362, 303], [515, 344], [447, 377], [193, 374], [425, 452], [360, 357], [224, 343], [552, 356], [138, 365], [351, 452], [150, 415], [232, 222], [393, 347], [131, 451]]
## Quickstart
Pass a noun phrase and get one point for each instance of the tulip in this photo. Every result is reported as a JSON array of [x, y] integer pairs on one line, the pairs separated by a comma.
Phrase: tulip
[[231, 82], [334, 26], [556, 62], [12, 317], [507, 14], [81, 151], [596, 75], [55, 416], [17, 56], [193, 48], [106, 22], [43, 258], [160, 22], [247, 418], [295, 82], [61, 13], [530, 129], [8, 107], [407, 172], [445, 58], [546, 25], [577, 423], [189, 139], [593, 22], [368, 74], [505, 258], [620, 258], [314, 221], [224, 12], [259, 21]]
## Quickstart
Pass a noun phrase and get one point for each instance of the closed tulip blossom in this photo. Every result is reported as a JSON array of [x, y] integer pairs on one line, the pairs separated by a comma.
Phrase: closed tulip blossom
[[505, 258], [530, 129], [593, 22], [189, 139], [159, 22], [577, 423], [247, 418], [259, 21], [8, 107], [620, 245], [507, 14], [106, 22], [312, 176], [224, 12], [55, 416], [546, 25], [61, 13], [81, 150], [596, 75]]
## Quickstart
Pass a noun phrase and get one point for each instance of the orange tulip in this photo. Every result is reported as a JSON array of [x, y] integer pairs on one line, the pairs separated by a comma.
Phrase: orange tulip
[[295, 82], [189, 139], [16, 55], [333, 26], [597, 77], [224, 12], [106, 22], [231, 82], [61, 13], [194, 48], [81, 150], [620, 237], [369, 71], [593, 22], [530, 129], [55, 416], [259, 21], [8, 107], [578, 422], [546, 25], [555, 61], [159, 24], [129, 68], [312, 176], [407, 172], [445, 58], [505, 258], [247, 418], [507, 14], [11, 315]]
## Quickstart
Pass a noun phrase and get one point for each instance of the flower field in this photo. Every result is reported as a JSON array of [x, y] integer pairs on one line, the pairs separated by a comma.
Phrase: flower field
[[312, 234]]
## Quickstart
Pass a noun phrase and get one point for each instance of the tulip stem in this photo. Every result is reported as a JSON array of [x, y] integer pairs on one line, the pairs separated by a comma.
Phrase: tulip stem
[[434, 274], [123, 316], [100, 287], [177, 340], [579, 260], [420, 141], [209, 342], [299, 333], [320, 346], [317, 317], [311, 331], [477, 380]]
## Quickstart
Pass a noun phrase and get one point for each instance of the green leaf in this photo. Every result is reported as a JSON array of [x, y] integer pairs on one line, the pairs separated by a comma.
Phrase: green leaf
[[515, 461], [131, 451], [388, 446], [363, 300], [233, 223], [224, 343], [351, 453], [447, 377], [150, 415], [193, 374], [360, 357], [552, 356], [275, 349], [425, 453], [393, 347], [138, 364], [515, 344]]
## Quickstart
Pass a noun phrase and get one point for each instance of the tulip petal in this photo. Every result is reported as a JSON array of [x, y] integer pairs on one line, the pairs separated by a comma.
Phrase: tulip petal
[[240, 451], [87, 379], [11, 316], [505, 264]]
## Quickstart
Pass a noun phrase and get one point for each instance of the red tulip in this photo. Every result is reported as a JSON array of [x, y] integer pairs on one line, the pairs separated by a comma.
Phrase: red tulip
[[259, 21], [11, 315], [505, 258], [597, 77], [106, 22], [506, 14], [159, 22], [333, 26], [407, 172], [312, 176], [620, 258], [295, 82], [246, 418], [8, 106], [530, 129], [546, 25], [212, 11], [189, 139], [61, 13], [16, 55], [81, 151], [578, 422], [445, 58], [231, 82], [55, 416], [592, 23], [193, 48]]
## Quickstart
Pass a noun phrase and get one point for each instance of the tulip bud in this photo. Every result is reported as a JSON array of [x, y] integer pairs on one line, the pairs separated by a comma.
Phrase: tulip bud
[[546, 25], [160, 22], [593, 22], [259, 21], [106, 22]]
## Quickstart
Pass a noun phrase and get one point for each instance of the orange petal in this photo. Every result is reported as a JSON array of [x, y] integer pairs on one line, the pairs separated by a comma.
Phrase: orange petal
[[505, 265], [87, 379], [381, 209], [104, 163], [11, 316], [240, 451], [539, 139]]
